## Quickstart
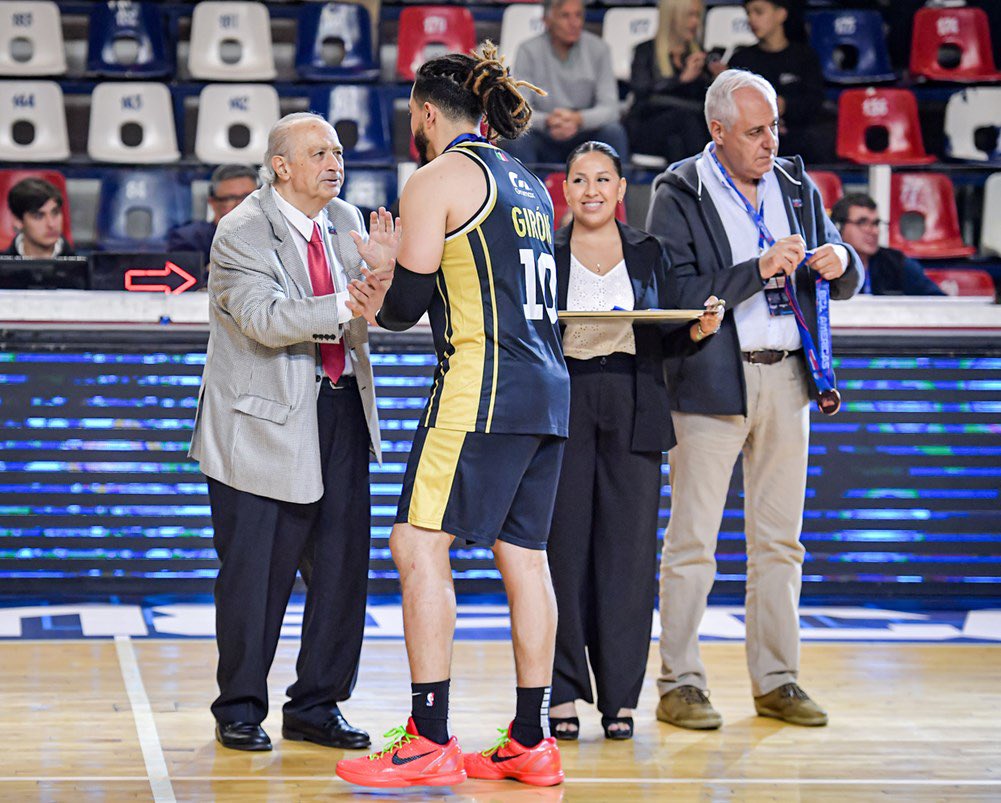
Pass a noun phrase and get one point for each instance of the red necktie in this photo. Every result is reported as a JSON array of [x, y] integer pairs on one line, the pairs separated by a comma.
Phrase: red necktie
[[331, 354]]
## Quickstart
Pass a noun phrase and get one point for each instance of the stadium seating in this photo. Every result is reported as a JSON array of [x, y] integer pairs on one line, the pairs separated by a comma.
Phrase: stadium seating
[[335, 42], [128, 40], [231, 41], [369, 189], [234, 121], [623, 29], [829, 185], [32, 122], [31, 39], [851, 46], [925, 198], [8, 178], [358, 113], [137, 208], [973, 124], [726, 28], [990, 232], [132, 122], [554, 183], [519, 23], [952, 44], [880, 126], [963, 282], [437, 27]]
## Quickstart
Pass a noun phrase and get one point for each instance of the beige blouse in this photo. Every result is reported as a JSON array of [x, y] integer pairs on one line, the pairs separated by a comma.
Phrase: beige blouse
[[586, 290]]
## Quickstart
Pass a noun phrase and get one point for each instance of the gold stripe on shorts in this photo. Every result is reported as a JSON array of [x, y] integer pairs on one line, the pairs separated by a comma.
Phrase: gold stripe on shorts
[[434, 478]]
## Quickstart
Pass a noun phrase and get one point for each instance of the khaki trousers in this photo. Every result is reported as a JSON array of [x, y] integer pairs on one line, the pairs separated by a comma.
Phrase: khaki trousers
[[773, 440]]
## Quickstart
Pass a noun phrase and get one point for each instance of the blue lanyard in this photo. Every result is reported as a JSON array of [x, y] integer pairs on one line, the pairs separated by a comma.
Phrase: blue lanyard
[[820, 364], [466, 138]]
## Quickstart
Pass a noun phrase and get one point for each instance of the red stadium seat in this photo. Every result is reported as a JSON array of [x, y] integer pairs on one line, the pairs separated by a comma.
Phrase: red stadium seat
[[554, 183], [928, 196], [952, 44], [829, 185], [8, 178], [448, 26], [963, 282], [880, 126]]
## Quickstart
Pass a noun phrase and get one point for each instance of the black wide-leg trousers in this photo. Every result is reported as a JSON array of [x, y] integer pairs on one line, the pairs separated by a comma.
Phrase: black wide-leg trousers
[[262, 542], [603, 541]]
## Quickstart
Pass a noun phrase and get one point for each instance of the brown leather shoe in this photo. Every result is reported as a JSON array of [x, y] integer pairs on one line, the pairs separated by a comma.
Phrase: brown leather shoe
[[688, 707], [790, 704]]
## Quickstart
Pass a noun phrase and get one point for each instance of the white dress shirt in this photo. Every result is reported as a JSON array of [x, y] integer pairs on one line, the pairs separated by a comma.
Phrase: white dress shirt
[[301, 228], [756, 328]]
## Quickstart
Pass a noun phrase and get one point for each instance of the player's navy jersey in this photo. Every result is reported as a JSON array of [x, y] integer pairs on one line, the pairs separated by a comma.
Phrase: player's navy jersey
[[500, 361]]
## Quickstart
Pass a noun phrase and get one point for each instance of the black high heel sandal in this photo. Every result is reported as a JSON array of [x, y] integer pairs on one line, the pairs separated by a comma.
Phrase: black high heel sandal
[[569, 734], [619, 734]]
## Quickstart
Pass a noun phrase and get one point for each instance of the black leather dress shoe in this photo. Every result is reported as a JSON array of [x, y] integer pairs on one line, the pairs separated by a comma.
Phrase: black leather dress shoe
[[242, 736], [334, 732]]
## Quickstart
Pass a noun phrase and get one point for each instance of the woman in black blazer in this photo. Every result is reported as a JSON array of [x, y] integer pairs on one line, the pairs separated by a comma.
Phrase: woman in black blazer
[[603, 540]]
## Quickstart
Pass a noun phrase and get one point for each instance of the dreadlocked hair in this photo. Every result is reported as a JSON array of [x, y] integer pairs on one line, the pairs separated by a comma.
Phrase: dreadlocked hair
[[475, 86]]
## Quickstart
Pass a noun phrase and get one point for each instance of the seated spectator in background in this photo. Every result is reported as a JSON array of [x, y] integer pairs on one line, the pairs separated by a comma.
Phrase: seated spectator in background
[[575, 68], [794, 70], [37, 207], [669, 78], [230, 185], [887, 270]]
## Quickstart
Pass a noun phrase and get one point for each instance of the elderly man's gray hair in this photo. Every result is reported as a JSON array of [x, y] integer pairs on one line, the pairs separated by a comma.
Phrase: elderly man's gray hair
[[720, 104], [279, 141]]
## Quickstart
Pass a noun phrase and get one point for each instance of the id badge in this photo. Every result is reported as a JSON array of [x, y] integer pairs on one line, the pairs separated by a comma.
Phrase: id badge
[[775, 295]]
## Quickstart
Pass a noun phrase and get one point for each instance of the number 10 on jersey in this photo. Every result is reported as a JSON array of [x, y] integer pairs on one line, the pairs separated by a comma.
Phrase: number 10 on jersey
[[540, 275]]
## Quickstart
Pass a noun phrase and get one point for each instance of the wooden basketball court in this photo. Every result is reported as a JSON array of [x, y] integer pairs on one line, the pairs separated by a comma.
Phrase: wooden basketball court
[[128, 719]]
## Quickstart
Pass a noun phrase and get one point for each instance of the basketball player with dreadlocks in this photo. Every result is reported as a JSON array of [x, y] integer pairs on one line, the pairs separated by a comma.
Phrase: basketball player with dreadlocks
[[477, 255]]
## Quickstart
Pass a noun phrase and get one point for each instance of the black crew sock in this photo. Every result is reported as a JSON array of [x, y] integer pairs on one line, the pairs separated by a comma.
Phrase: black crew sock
[[531, 718], [429, 708]]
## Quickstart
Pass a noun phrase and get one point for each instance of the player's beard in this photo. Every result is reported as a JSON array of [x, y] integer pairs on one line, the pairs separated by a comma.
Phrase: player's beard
[[421, 143]]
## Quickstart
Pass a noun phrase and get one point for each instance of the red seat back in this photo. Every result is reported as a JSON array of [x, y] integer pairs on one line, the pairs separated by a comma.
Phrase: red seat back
[[554, 183], [420, 26], [952, 44], [963, 282], [8, 178], [865, 111], [830, 187], [930, 196]]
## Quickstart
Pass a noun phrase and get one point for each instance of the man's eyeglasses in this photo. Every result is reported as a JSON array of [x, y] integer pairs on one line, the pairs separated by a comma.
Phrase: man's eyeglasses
[[866, 222], [229, 199]]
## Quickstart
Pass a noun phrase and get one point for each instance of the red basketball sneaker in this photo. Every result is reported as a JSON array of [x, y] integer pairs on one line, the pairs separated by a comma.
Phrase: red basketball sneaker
[[408, 759], [539, 765]]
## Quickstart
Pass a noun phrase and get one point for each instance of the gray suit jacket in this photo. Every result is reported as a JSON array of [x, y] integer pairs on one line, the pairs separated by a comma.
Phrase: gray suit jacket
[[256, 426]]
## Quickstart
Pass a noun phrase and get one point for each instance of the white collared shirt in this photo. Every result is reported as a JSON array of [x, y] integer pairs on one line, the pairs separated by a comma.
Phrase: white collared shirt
[[756, 328], [301, 227]]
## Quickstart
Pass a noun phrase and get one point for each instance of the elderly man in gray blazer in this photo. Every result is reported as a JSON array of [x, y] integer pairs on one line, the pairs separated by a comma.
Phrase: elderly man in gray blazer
[[285, 425]]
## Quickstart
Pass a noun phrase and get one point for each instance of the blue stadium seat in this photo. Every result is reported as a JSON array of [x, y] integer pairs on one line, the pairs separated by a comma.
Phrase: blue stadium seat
[[128, 39], [369, 189], [359, 114], [137, 208], [851, 46], [335, 41]]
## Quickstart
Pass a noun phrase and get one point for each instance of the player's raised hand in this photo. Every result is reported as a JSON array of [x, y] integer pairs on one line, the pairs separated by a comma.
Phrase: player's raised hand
[[380, 248]]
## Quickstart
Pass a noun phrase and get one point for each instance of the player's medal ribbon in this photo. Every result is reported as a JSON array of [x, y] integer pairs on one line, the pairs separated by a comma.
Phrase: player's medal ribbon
[[828, 397]]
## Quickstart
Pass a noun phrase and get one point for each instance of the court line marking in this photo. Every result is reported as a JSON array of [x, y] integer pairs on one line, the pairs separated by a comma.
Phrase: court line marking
[[634, 780], [149, 739]]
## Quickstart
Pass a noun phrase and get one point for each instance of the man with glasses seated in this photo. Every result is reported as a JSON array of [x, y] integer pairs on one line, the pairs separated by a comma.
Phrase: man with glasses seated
[[887, 270], [230, 185]]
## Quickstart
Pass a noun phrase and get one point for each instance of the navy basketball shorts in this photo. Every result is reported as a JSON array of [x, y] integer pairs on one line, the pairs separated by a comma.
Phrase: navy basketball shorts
[[482, 487]]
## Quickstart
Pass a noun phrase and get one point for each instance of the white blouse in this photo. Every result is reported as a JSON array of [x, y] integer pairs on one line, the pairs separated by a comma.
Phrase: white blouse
[[587, 291]]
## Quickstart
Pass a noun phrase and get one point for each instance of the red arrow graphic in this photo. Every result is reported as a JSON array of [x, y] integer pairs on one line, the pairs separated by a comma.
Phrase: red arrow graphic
[[168, 268]]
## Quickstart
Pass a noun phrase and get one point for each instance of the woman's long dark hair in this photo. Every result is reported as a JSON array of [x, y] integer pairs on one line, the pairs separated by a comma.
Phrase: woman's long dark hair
[[592, 146], [474, 86]]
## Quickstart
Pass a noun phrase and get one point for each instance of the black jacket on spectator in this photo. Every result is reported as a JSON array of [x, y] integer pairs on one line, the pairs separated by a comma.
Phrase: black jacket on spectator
[[653, 288], [12, 250], [682, 213], [891, 272]]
